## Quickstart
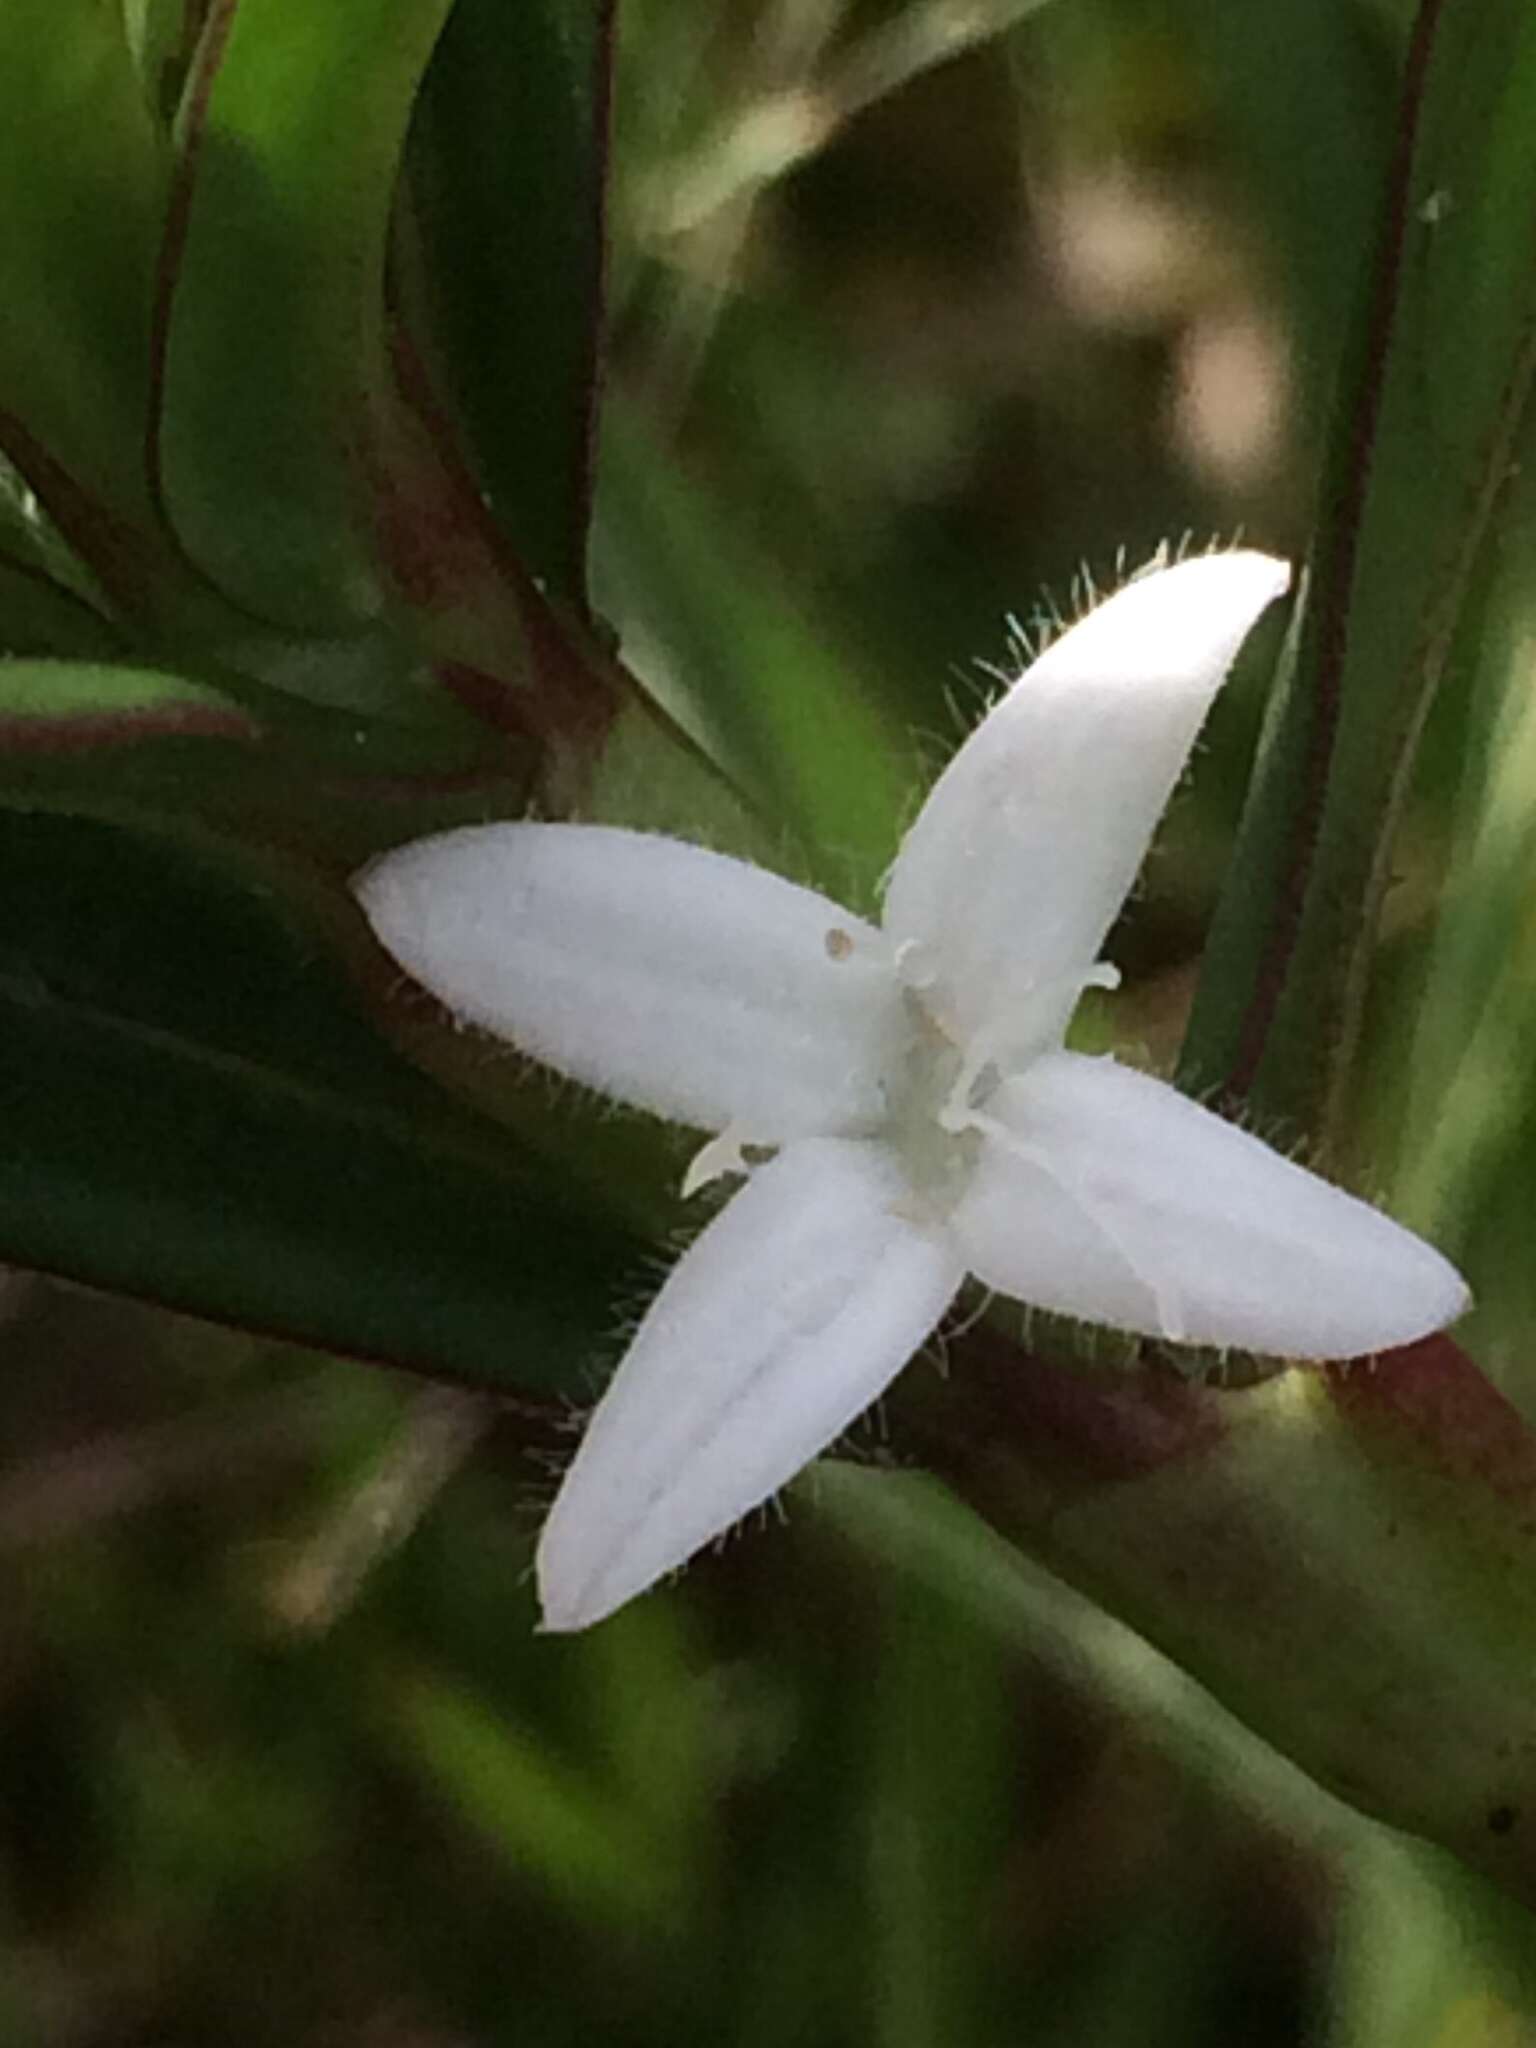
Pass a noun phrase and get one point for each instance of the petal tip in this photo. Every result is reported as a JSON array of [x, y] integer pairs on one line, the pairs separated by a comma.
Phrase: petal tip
[[371, 888], [1416, 1293], [1443, 1298], [559, 1620], [1247, 577], [397, 892], [1429, 1293], [572, 1594], [1168, 636], [1189, 619]]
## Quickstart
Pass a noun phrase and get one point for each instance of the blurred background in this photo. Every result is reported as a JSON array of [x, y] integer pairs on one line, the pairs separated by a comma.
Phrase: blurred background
[[926, 320]]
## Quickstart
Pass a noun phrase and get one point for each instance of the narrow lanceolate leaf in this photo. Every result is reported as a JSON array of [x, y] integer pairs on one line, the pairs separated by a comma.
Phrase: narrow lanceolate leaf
[[523, 665], [60, 706], [1305, 99], [270, 329], [109, 738], [39, 615], [105, 737], [162, 36], [1429, 422], [744, 669], [1468, 1140], [82, 187], [507, 161], [195, 1112], [1343, 1558]]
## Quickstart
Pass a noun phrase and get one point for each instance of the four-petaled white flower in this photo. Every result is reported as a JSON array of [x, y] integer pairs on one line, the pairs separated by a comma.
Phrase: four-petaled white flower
[[928, 1121]]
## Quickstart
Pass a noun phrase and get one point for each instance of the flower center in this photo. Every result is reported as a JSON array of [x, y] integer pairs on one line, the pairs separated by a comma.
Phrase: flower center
[[936, 1146], [938, 1094]]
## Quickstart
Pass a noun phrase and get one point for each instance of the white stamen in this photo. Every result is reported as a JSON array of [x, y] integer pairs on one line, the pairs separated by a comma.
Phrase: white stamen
[[720, 1156]]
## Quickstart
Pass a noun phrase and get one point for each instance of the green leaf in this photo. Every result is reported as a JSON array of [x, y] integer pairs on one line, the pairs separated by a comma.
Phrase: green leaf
[[1431, 420], [196, 1110], [31, 542], [744, 670], [1305, 101], [61, 703], [524, 665], [274, 295], [82, 188], [507, 161], [162, 35], [115, 740], [40, 616], [109, 738], [1463, 1124], [575, 1842]]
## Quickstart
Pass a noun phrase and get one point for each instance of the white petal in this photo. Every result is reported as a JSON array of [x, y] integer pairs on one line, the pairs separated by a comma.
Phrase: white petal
[[798, 1305], [1019, 861], [700, 987], [1107, 1195]]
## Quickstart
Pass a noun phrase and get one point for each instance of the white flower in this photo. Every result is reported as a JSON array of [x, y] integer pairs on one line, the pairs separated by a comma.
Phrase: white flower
[[929, 1122]]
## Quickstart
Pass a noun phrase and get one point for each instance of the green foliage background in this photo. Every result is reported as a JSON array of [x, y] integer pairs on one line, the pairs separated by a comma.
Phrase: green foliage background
[[917, 316]]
